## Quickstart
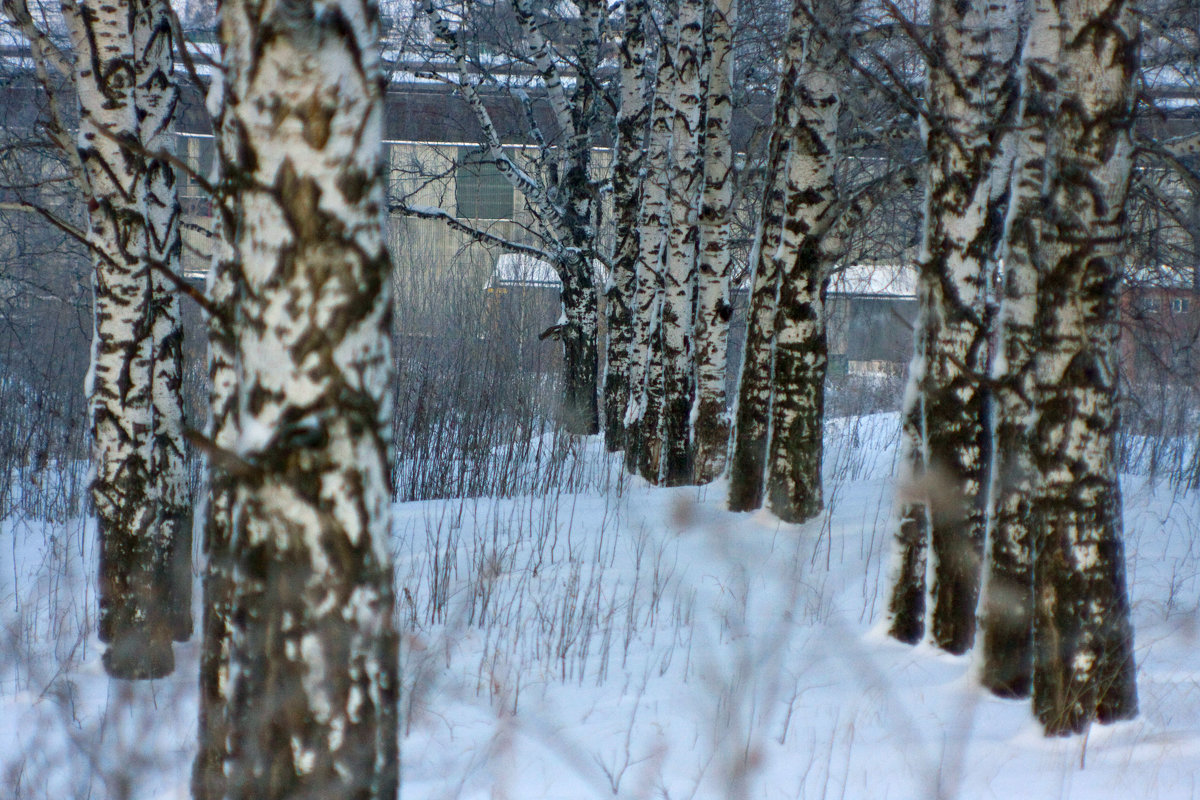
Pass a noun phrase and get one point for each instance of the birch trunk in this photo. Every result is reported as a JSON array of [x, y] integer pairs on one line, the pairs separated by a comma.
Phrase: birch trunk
[[747, 460], [793, 484], [642, 442], [581, 412], [134, 555], [710, 433], [126, 93], [1083, 640], [958, 253], [208, 770], [157, 97], [632, 119], [777, 435], [580, 301], [675, 467], [1007, 606], [906, 603], [313, 656]]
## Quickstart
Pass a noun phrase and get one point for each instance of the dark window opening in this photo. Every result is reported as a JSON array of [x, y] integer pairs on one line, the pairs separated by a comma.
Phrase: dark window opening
[[480, 190]]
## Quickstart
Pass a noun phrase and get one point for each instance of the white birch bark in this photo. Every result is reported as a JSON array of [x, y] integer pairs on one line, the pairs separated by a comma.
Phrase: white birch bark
[[313, 657], [793, 479], [134, 555], [1005, 615], [125, 89], [643, 445], [208, 769], [965, 80], [1083, 639], [675, 463], [748, 439], [543, 58], [777, 433], [157, 98], [632, 121], [122, 81], [710, 432]]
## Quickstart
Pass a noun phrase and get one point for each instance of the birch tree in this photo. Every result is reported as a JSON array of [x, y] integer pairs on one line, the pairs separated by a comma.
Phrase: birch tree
[[208, 769], [677, 394], [971, 52], [632, 120], [684, 186], [1083, 668], [120, 64], [642, 417], [133, 557], [776, 444], [157, 100], [1007, 605], [748, 441], [313, 662], [710, 432]]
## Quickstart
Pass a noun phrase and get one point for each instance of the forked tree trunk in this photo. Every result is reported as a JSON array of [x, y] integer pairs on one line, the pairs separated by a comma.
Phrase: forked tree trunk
[[134, 555], [710, 434], [632, 119], [569, 220], [1083, 640], [962, 217], [675, 467], [314, 649]]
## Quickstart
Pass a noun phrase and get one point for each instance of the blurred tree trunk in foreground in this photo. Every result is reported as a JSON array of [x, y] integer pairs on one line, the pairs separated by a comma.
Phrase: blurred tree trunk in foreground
[[313, 661]]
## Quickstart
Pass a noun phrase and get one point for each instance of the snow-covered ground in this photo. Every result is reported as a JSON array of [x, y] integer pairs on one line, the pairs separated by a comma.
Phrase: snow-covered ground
[[638, 642]]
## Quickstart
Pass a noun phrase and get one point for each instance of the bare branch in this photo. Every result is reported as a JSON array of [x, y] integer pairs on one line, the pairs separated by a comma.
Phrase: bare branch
[[540, 51], [1165, 200], [43, 49], [477, 234], [1164, 154], [539, 201]]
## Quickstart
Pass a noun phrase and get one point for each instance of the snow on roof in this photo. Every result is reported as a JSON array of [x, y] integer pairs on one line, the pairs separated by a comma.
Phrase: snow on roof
[[523, 269], [882, 280], [519, 268]]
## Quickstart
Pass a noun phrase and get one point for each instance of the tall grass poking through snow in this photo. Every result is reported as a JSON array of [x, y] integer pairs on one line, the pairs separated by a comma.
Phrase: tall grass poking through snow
[[562, 584]]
